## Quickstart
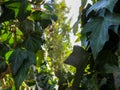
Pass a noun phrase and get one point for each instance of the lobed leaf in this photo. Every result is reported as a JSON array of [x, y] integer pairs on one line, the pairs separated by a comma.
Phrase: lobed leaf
[[20, 61], [33, 42], [16, 60], [99, 27], [108, 4]]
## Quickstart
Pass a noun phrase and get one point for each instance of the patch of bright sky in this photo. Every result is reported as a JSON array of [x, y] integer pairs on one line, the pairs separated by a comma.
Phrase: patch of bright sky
[[74, 12], [74, 9], [73, 15]]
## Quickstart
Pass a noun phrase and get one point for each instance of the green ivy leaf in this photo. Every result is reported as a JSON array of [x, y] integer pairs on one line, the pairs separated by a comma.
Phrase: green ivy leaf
[[33, 42], [14, 6], [45, 23], [99, 31], [21, 60], [24, 10], [16, 60], [108, 4], [36, 15], [27, 26], [20, 76], [44, 18], [48, 7]]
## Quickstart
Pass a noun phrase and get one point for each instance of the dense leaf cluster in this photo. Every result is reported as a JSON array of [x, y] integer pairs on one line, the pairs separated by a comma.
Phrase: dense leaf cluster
[[100, 25], [22, 23]]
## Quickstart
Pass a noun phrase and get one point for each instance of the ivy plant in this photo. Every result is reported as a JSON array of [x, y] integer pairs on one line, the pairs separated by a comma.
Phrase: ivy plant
[[22, 23], [100, 38]]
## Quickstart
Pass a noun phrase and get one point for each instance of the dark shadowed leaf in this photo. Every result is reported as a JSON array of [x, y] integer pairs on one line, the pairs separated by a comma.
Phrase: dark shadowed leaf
[[22, 73], [54, 17], [33, 42], [7, 14], [24, 10], [16, 60], [3, 66], [77, 57], [43, 18], [114, 28], [14, 6], [111, 69], [45, 23], [106, 58], [3, 49], [27, 26], [20, 76]]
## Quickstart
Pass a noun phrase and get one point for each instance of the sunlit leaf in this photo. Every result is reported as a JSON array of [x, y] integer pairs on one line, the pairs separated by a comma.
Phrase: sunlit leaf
[[40, 57], [48, 7], [15, 7], [36, 15], [7, 55]]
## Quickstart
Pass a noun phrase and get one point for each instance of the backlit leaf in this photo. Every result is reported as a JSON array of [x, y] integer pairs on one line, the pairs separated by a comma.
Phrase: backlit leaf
[[48, 7], [108, 4], [14, 6], [99, 31]]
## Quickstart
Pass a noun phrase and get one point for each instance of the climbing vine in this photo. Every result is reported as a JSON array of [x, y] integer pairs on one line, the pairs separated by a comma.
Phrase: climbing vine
[[100, 41]]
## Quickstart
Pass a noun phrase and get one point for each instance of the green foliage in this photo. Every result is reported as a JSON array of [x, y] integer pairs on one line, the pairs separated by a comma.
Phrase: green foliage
[[46, 79], [21, 38], [34, 43], [59, 47], [100, 38]]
